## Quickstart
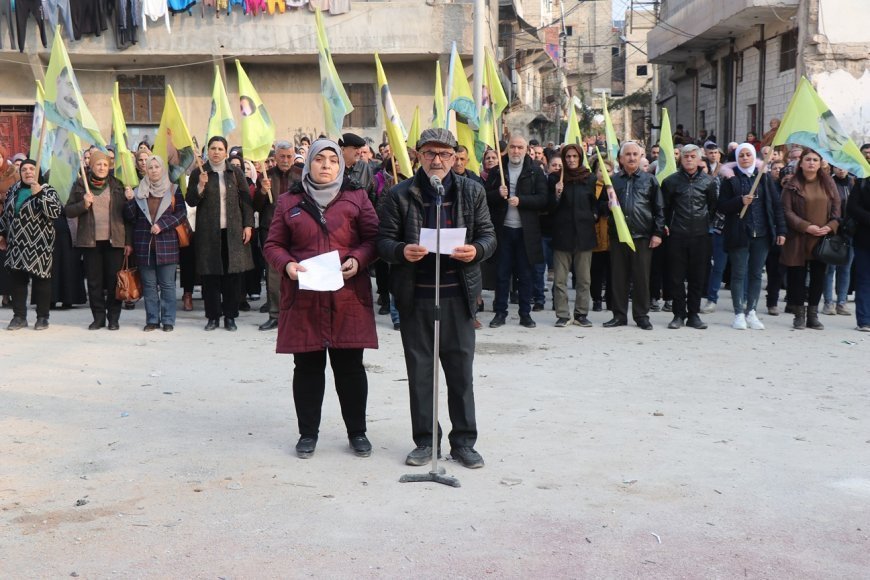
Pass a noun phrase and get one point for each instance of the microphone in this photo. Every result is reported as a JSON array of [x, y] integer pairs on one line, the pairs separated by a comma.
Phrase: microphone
[[435, 182]]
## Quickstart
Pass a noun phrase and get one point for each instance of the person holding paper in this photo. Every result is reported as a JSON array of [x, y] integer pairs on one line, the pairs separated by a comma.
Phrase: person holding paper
[[323, 213], [406, 209]]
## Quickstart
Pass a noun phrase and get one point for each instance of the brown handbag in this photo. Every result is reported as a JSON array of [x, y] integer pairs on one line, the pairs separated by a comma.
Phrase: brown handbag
[[183, 229], [129, 285]]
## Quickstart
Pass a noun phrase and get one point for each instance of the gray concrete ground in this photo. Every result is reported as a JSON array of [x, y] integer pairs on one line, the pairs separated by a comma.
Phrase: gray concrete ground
[[611, 453]]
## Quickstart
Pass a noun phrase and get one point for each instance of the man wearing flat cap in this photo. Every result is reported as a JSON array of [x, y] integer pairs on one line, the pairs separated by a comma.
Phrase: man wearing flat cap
[[408, 207], [355, 168]]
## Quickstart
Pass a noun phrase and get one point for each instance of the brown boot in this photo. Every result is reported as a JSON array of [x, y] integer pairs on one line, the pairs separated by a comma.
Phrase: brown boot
[[800, 317], [187, 302], [813, 318]]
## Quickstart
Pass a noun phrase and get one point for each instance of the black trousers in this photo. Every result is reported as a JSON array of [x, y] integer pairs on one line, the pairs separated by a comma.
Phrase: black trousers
[[688, 257], [798, 294], [187, 265], [775, 272], [221, 292], [602, 281], [659, 275], [382, 277], [41, 294], [630, 272], [351, 385], [23, 9], [102, 263], [457, 358]]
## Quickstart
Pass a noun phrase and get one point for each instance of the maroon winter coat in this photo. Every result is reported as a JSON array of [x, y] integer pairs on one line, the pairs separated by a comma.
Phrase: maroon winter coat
[[311, 321]]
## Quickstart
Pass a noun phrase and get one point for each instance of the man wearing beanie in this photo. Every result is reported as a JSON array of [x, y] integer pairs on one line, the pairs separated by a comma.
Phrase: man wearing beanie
[[407, 207]]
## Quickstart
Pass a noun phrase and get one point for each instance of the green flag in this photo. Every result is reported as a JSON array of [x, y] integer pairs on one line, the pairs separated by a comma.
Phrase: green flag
[[622, 230], [173, 142], [393, 123], [336, 104], [439, 119], [125, 164], [610, 135]]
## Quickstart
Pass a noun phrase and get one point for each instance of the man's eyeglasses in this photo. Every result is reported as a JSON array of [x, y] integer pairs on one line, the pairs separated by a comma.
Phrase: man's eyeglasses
[[442, 155]]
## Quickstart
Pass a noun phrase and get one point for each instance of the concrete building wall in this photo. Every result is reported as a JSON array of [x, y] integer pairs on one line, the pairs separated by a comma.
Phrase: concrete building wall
[[747, 95]]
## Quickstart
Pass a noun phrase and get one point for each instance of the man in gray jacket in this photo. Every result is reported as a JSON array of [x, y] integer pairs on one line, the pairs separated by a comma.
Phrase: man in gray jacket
[[408, 207]]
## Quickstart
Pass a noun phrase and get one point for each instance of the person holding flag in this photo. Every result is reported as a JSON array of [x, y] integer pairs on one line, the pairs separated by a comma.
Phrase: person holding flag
[[572, 205], [98, 200], [224, 227], [637, 193]]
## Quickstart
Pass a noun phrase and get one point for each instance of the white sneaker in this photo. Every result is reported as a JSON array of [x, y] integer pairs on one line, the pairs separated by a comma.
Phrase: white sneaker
[[739, 322], [753, 322], [709, 307]]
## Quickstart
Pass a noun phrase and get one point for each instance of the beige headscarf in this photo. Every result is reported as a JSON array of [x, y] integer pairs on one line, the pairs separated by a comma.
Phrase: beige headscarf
[[157, 188]]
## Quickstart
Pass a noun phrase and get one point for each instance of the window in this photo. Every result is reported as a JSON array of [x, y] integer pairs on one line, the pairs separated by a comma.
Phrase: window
[[614, 51], [753, 117], [738, 66], [588, 58], [142, 98], [569, 31], [641, 70], [788, 50], [365, 107]]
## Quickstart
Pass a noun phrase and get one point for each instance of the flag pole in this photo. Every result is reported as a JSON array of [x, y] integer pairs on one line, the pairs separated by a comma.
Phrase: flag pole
[[41, 141], [498, 149], [761, 171]]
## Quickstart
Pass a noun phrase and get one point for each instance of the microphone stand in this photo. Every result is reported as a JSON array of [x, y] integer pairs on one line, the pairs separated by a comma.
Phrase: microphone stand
[[436, 474]]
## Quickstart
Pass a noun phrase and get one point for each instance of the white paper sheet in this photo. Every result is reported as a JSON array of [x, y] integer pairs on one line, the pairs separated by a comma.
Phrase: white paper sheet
[[322, 273], [451, 238]]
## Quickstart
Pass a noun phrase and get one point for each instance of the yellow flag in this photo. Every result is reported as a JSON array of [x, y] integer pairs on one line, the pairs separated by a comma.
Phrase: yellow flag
[[258, 130], [459, 95], [173, 143], [809, 122], [393, 123], [336, 104], [439, 119], [66, 155], [220, 122], [493, 103], [610, 135], [666, 150], [36, 130], [64, 105], [618, 216], [467, 137], [414, 131], [125, 165], [573, 135]]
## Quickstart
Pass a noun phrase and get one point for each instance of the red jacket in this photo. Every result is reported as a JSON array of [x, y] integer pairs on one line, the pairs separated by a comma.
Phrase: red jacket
[[311, 321]]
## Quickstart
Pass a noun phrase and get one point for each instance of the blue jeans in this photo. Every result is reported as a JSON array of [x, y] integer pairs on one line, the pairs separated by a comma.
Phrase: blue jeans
[[844, 276], [862, 286], [394, 312], [541, 269], [720, 261], [158, 292], [746, 266], [513, 260]]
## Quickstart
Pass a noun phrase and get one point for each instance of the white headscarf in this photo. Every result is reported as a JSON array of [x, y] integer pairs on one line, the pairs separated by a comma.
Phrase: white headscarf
[[323, 193], [154, 188], [747, 171]]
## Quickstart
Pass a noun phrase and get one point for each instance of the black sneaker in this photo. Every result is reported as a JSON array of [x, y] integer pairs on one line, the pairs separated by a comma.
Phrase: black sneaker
[[384, 309], [580, 320], [668, 307], [420, 455], [498, 320], [41, 324], [537, 307], [212, 324], [17, 323], [360, 445], [150, 327], [467, 456], [676, 323], [561, 322], [168, 328], [526, 321], [694, 321], [305, 446], [230, 324], [596, 306]]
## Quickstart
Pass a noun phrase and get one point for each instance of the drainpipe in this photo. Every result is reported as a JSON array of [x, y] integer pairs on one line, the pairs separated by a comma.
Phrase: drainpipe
[[762, 72]]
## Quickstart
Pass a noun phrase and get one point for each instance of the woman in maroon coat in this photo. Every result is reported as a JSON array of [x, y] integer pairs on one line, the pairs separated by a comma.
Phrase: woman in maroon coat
[[320, 214]]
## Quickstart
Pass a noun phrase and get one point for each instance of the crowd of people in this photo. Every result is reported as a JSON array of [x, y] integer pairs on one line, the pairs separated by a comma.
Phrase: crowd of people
[[537, 214]]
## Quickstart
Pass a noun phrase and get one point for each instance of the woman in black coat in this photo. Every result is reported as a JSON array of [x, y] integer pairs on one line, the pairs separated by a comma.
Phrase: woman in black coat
[[749, 238], [224, 226]]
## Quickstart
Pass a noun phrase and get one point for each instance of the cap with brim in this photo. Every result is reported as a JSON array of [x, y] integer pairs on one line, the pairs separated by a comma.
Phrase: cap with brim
[[351, 140], [439, 136]]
